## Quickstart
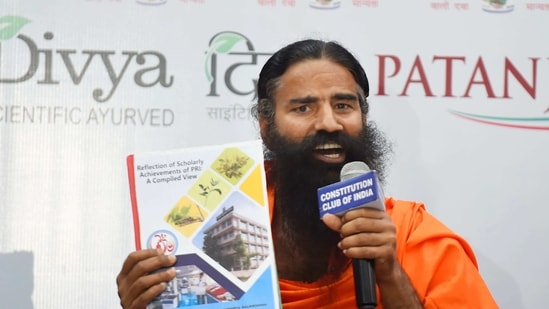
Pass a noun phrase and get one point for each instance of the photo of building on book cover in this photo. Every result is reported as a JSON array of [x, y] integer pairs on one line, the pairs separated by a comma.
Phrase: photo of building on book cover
[[208, 206]]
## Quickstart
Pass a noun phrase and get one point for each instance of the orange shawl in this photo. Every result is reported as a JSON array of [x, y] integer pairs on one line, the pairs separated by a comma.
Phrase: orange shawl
[[440, 264]]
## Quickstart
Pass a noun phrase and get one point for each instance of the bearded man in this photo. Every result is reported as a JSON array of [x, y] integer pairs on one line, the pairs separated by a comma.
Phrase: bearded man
[[312, 113]]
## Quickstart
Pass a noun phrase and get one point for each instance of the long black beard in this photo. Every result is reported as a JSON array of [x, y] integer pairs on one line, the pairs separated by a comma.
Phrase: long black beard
[[298, 175]]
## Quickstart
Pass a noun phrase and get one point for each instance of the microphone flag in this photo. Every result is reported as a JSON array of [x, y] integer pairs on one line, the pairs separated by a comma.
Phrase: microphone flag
[[359, 191]]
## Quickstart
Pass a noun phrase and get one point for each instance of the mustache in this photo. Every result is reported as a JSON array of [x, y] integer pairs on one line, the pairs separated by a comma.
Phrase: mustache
[[369, 146], [310, 143]]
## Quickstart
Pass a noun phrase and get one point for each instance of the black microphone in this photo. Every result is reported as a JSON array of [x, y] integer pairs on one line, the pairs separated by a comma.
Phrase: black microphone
[[363, 269], [359, 187]]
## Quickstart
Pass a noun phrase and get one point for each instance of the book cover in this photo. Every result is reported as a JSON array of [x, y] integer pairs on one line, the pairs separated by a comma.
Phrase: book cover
[[208, 206]]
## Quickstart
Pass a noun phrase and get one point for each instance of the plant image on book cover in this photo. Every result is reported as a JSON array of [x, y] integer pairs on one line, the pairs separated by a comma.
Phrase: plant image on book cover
[[221, 213]]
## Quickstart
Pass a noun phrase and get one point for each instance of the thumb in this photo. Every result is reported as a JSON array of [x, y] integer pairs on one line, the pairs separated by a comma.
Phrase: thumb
[[332, 221]]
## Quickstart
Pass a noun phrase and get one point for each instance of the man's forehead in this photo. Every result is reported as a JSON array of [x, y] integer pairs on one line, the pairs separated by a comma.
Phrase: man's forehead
[[314, 64], [317, 75]]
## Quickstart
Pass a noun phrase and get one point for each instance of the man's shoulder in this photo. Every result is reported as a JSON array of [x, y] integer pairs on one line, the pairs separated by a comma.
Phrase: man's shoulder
[[415, 223], [397, 206], [408, 215], [416, 227]]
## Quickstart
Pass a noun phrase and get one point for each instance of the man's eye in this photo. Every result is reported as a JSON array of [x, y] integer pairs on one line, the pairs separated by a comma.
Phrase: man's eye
[[342, 106], [302, 108]]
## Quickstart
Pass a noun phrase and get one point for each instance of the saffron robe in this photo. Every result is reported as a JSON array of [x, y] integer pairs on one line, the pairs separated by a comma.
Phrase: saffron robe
[[439, 263]]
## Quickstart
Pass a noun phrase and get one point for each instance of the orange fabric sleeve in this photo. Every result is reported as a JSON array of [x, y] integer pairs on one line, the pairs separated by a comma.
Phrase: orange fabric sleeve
[[440, 264]]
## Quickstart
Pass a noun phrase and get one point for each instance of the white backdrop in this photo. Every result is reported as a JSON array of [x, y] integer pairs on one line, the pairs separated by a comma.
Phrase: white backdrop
[[65, 215]]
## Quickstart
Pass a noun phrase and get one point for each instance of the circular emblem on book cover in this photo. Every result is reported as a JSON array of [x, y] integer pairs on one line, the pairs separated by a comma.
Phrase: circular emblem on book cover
[[163, 240]]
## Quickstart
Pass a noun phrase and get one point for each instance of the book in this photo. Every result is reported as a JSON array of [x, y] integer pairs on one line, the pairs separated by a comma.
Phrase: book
[[208, 206]]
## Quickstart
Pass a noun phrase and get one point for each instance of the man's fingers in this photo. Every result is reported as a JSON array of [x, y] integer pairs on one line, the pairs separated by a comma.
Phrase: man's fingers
[[147, 296], [146, 288], [363, 212], [365, 240], [365, 225], [143, 277], [136, 257], [150, 264]]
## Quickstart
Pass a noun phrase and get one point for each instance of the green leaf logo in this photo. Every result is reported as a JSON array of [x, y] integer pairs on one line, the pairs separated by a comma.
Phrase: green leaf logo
[[222, 44], [10, 25]]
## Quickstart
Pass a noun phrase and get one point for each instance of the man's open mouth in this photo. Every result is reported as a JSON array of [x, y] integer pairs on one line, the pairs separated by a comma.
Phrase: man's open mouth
[[329, 152]]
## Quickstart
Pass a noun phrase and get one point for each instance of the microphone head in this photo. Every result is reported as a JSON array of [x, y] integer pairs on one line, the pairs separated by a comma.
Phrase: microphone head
[[353, 169]]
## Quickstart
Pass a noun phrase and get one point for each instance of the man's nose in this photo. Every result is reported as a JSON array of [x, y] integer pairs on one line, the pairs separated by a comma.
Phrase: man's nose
[[326, 120]]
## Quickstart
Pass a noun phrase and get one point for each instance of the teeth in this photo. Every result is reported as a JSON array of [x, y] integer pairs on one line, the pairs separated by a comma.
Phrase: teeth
[[332, 156], [328, 146]]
